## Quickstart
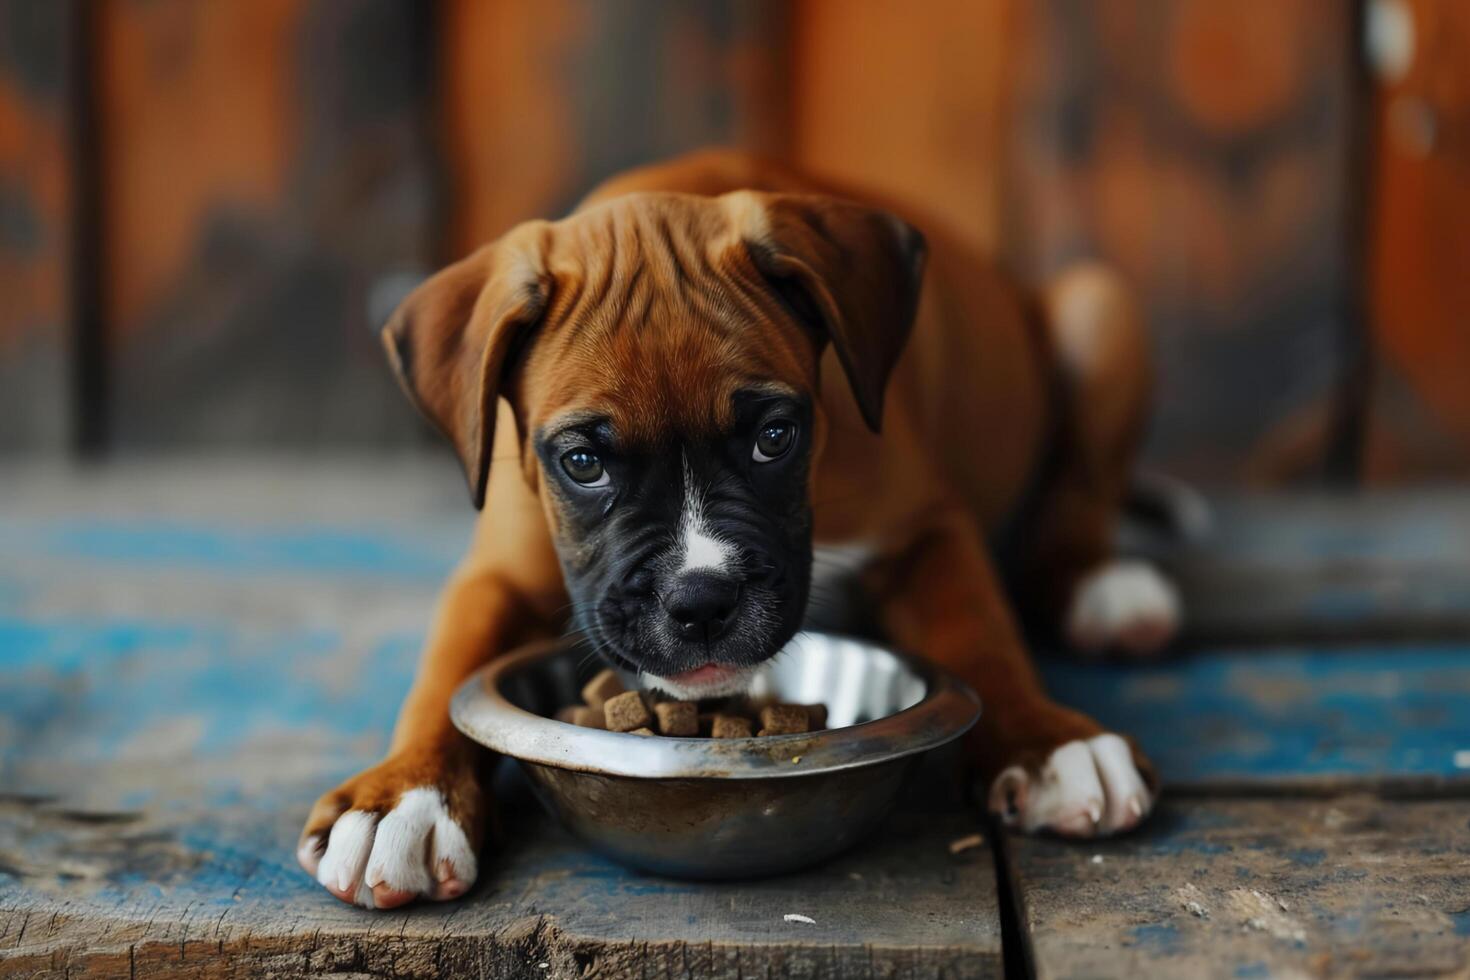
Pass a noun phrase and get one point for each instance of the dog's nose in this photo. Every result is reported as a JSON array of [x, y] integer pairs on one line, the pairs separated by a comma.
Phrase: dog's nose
[[702, 605]]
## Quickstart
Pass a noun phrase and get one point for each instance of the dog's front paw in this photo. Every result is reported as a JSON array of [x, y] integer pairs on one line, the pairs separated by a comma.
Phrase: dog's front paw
[[1091, 787], [407, 828], [1124, 605]]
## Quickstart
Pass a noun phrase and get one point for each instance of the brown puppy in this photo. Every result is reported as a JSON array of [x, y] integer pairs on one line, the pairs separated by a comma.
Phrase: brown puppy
[[681, 387]]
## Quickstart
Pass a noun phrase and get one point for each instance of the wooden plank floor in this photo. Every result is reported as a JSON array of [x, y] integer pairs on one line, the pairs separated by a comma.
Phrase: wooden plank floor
[[1315, 747], [189, 653], [189, 659], [1279, 887]]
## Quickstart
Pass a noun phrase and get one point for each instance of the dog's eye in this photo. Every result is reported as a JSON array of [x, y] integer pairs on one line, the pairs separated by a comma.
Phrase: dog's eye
[[583, 466], [774, 440]]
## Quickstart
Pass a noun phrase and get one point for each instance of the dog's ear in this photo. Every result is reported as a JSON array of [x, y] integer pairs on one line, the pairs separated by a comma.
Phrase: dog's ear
[[852, 272], [452, 340]]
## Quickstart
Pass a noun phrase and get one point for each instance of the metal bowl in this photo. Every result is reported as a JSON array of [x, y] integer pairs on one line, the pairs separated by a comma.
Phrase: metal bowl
[[727, 808]]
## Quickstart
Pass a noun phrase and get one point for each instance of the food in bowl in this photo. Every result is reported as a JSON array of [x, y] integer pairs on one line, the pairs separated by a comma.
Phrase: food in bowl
[[724, 808], [608, 705]]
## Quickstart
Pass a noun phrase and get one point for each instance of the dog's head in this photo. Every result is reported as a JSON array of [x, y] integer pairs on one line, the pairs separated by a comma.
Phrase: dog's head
[[660, 353]]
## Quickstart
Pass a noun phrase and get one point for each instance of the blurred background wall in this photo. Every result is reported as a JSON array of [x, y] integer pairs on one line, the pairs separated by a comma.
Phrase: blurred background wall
[[208, 206]]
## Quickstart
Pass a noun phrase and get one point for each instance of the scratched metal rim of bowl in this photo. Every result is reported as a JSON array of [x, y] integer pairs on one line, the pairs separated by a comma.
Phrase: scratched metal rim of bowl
[[482, 711]]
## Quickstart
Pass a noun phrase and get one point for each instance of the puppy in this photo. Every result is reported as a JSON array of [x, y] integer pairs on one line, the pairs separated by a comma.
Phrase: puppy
[[681, 387]]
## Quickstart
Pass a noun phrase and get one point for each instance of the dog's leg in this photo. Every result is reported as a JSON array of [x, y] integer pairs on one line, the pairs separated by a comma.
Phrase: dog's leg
[[1046, 767], [411, 826], [1071, 577]]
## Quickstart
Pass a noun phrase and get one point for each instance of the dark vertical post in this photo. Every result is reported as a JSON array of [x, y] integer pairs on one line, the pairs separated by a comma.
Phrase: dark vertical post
[[1347, 432], [430, 43], [88, 335]]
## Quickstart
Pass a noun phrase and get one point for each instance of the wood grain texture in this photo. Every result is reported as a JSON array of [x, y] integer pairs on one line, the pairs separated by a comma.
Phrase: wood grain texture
[[915, 106], [35, 213], [1350, 886], [1324, 567], [541, 102], [192, 653], [1288, 719], [267, 190], [1201, 147], [1419, 249], [192, 650], [219, 894]]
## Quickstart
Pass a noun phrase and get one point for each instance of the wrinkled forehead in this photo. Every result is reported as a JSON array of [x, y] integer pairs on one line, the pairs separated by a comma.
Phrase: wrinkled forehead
[[654, 388], [657, 321]]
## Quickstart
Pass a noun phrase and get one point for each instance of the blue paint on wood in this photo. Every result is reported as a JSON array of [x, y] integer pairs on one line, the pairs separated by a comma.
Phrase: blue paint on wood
[[398, 552], [1284, 714], [88, 691], [1157, 937]]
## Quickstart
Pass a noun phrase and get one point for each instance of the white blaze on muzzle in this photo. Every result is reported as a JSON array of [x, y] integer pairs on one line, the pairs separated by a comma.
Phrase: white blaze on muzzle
[[699, 546]]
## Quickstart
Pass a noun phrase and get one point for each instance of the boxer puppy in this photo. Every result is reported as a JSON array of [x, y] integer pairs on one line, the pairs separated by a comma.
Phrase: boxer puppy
[[681, 387]]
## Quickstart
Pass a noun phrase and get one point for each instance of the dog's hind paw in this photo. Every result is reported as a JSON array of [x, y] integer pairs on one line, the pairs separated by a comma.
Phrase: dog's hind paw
[[1086, 788], [373, 844], [1123, 605]]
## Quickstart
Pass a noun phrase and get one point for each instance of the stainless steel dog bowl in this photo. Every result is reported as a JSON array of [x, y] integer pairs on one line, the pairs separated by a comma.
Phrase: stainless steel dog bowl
[[728, 808]]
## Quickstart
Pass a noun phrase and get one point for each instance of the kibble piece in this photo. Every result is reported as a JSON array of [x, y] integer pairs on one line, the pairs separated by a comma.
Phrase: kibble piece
[[625, 712], [816, 717], [783, 719], [641, 731], [602, 688], [729, 726], [588, 717], [566, 714], [677, 718]]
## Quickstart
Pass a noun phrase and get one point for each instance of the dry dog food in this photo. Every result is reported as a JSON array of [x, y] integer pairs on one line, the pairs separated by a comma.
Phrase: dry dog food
[[730, 726], [626, 712], [677, 718], [602, 689], [783, 719], [608, 705]]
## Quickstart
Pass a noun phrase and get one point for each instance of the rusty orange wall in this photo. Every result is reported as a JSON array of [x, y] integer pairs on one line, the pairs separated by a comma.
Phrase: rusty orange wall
[[266, 178], [1202, 146], [274, 173], [35, 214], [910, 98], [1199, 145], [1419, 251], [542, 101]]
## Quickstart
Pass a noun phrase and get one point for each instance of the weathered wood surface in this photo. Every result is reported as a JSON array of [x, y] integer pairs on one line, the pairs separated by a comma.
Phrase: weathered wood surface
[[215, 891], [539, 102], [1350, 886], [1201, 147], [1420, 298], [916, 106], [191, 651], [1394, 717], [36, 209], [1283, 568], [189, 658], [268, 195]]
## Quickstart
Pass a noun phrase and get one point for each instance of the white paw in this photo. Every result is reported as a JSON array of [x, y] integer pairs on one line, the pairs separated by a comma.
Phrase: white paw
[[1085, 789], [415, 850], [1123, 605]]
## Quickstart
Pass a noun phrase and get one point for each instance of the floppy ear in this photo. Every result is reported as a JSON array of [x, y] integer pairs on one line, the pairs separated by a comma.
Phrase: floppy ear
[[450, 342], [852, 269]]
